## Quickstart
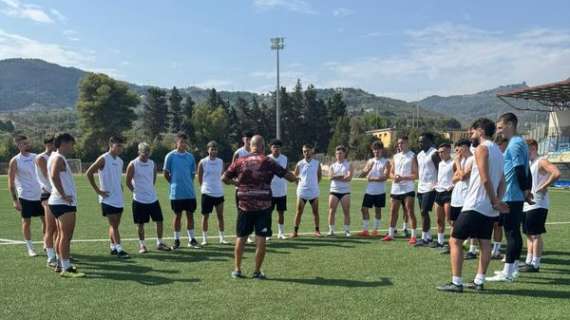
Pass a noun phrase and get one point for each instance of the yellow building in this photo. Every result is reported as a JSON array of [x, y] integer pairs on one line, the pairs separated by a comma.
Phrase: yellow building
[[456, 135], [388, 136]]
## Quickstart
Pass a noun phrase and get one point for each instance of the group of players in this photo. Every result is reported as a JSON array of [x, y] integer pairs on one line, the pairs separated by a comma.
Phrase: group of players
[[469, 192]]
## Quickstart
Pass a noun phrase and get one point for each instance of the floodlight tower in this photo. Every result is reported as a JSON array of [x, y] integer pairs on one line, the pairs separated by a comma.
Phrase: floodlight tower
[[277, 44]]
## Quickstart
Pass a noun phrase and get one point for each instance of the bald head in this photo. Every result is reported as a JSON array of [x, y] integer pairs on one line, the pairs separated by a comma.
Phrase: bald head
[[257, 144]]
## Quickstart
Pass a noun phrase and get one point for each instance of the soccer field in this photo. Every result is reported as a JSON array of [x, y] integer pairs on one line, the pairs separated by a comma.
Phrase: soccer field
[[309, 278]]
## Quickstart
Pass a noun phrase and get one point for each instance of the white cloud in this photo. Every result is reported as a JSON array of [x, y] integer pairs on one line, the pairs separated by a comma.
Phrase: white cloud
[[376, 34], [459, 59], [342, 12], [71, 35], [16, 8], [215, 83], [59, 16], [291, 5]]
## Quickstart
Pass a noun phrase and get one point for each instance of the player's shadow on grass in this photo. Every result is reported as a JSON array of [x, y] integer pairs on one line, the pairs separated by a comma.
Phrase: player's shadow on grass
[[191, 255], [549, 260], [547, 281], [320, 281], [556, 253], [530, 293]]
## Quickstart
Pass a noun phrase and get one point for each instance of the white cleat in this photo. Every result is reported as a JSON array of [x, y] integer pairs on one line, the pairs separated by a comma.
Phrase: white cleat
[[500, 277], [515, 273], [281, 236], [223, 241], [249, 240], [267, 238], [330, 233], [143, 249], [347, 234], [204, 242], [32, 253]]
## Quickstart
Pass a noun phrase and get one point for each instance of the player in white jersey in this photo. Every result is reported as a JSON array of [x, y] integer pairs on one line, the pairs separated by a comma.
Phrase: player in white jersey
[[340, 173], [443, 190], [377, 171], [308, 170], [25, 189], [141, 179], [279, 188], [50, 233], [481, 207], [544, 174], [109, 167], [403, 171], [63, 202], [428, 160], [243, 151], [210, 171]]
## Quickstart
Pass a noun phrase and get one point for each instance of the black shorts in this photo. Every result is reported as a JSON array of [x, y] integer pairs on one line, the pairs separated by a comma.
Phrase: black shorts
[[534, 222], [442, 198], [426, 200], [258, 221], [472, 224], [31, 208], [310, 200], [209, 202], [188, 205], [110, 210], [338, 195], [374, 200], [60, 209], [454, 213], [45, 196], [403, 196], [280, 203], [143, 212]]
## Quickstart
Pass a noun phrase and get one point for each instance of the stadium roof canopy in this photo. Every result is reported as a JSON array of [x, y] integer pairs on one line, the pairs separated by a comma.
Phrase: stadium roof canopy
[[551, 97]]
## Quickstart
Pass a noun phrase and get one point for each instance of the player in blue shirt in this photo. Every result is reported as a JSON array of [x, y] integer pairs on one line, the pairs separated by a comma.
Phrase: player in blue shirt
[[179, 170]]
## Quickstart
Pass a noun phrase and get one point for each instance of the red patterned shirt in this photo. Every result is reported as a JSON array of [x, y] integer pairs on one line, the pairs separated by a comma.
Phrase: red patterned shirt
[[254, 174]]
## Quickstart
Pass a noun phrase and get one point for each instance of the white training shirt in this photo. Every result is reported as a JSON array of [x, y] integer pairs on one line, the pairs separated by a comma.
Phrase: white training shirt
[[67, 182], [339, 169], [279, 185], [308, 187], [403, 166], [427, 173], [43, 180], [143, 181], [460, 189], [444, 176], [376, 171], [541, 200], [241, 152], [110, 181], [477, 198], [27, 185], [211, 174]]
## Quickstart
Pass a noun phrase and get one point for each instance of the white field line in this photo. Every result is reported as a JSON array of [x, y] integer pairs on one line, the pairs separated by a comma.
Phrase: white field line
[[12, 242]]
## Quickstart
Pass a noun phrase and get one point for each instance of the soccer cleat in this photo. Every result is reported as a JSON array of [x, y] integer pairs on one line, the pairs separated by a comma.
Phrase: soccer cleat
[[176, 244], [57, 267], [114, 252], [318, 234], [330, 233], [281, 236], [497, 256], [412, 241], [32, 253], [500, 277], [223, 241], [259, 276], [473, 286], [347, 234], [163, 247], [294, 235], [406, 233], [388, 238], [470, 256], [363, 233], [122, 255], [51, 263], [375, 233], [451, 287], [250, 241], [237, 275], [142, 249], [421, 243], [436, 245], [528, 268], [193, 244], [204, 242], [71, 272], [267, 239]]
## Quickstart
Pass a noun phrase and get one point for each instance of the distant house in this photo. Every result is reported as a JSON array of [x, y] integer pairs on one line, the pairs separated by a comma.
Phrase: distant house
[[388, 136], [456, 135]]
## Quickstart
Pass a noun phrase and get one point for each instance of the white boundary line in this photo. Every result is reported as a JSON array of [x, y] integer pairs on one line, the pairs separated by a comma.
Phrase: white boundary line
[[4, 242]]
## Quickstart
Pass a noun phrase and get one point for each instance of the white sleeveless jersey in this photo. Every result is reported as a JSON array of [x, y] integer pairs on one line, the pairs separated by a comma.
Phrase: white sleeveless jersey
[[110, 180], [43, 180], [444, 176], [308, 187], [67, 182], [460, 189], [477, 198], [241, 152], [427, 173], [143, 181], [27, 185], [541, 200], [403, 163], [212, 173], [339, 169], [279, 185], [377, 170]]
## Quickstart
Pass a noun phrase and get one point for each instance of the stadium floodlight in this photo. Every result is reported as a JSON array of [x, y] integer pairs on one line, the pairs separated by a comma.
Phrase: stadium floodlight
[[277, 44]]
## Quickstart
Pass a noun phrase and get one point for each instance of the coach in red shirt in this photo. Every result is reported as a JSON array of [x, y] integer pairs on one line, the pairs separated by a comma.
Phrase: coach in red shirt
[[252, 175]]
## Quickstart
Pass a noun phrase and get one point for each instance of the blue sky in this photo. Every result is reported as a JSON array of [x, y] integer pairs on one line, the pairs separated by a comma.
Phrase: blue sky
[[401, 49]]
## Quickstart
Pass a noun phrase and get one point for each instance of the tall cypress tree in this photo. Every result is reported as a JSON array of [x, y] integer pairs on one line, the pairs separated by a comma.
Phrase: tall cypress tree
[[175, 104]]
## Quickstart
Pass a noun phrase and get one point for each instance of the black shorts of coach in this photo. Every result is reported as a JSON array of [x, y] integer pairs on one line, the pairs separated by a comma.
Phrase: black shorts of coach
[[426, 201], [45, 196], [108, 210], [534, 222], [454, 213], [374, 200], [143, 212], [59, 210], [250, 221], [402, 197], [279, 203], [209, 202], [442, 198], [179, 205], [472, 224], [31, 208]]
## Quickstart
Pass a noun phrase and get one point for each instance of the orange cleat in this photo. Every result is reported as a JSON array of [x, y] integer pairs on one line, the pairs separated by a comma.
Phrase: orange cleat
[[412, 241], [363, 233], [388, 238], [317, 234], [375, 233]]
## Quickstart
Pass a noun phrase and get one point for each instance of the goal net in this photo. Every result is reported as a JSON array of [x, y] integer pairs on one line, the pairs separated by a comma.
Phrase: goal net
[[75, 165]]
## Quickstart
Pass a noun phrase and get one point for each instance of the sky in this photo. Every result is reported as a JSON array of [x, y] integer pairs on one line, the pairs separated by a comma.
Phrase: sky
[[402, 49]]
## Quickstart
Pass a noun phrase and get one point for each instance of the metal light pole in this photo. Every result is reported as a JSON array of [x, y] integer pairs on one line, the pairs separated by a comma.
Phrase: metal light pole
[[277, 44]]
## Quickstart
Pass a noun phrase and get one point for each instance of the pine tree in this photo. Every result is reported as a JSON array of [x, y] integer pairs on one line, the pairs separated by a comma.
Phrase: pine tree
[[176, 116], [155, 113]]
